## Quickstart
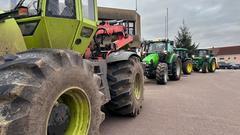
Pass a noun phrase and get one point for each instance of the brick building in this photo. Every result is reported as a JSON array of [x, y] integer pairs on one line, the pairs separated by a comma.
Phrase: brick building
[[229, 54]]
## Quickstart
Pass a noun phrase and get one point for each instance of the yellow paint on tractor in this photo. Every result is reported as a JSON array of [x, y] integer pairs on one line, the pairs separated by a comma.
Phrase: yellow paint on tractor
[[11, 38]]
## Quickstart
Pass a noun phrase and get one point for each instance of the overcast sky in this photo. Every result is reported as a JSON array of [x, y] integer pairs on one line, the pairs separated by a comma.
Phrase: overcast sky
[[212, 22]]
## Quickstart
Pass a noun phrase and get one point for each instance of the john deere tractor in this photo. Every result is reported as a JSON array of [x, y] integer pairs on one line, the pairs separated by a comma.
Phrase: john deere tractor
[[187, 63], [160, 61], [59, 87], [204, 60]]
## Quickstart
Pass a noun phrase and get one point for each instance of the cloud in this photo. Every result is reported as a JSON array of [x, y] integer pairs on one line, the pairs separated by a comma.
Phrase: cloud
[[212, 22]]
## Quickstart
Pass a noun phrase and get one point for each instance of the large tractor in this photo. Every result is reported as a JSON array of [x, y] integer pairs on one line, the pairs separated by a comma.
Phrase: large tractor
[[187, 63], [204, 60], [61, 86], [160, 61]]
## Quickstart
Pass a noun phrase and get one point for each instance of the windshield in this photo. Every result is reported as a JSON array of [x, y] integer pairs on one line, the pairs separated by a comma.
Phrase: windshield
[[7, 5], [182, 54], [202, 53], [156, 47], [32, 5]]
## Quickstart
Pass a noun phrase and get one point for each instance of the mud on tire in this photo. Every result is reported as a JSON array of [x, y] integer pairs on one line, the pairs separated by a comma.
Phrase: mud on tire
[[122, 77], [32, 81]]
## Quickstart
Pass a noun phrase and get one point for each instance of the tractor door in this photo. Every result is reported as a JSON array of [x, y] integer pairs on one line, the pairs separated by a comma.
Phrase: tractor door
[[61, 22], [88, 26]]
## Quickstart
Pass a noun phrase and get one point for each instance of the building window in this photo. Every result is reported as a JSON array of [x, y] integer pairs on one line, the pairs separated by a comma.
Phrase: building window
[[221, 58], [235, 58], [229, 58], [130, 26]]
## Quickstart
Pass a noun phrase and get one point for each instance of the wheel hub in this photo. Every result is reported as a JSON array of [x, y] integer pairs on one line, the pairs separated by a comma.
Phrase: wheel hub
[[189, 68], [71, 114], [59, 120]]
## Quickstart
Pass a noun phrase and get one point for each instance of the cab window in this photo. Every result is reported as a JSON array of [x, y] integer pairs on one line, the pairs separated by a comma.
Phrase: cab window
[[61, 8], [88, 9], [170, 48]]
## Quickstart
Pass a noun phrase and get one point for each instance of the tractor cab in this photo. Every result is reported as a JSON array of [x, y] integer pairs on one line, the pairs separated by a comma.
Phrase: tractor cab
[[182, 52], [63, 24], [204, 53], [160, 46]]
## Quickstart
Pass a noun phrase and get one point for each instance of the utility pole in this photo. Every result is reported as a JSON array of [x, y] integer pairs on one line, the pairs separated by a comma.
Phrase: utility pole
[[136, 5], [167, 23], [165, 28]]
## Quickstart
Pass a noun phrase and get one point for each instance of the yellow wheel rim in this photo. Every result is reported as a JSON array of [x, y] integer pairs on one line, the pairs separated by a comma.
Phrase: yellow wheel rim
[[137, 87], [214, 66], [189, 67], [80, 112]]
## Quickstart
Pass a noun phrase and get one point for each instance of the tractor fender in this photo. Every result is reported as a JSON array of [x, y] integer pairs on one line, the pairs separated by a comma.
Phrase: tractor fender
[[172, 58], [211, 59], [121, 56], [188, 59]]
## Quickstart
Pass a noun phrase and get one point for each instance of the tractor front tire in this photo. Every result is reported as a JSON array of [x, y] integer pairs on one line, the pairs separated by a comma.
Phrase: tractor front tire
[[205, 67], [213, 67], [126, 81], [49, 92], [187, 67], [162, 73], [176, 70]]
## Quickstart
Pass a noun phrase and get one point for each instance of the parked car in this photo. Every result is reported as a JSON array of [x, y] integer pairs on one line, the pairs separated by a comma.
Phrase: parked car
[[235, 66], [224, 65]]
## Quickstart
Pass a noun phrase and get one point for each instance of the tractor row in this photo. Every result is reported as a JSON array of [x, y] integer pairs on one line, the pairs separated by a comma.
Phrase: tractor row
[[60, 70], [162, 61]]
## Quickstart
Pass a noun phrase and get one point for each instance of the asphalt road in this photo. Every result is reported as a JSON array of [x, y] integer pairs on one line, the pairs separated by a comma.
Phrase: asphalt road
[[200, 104]]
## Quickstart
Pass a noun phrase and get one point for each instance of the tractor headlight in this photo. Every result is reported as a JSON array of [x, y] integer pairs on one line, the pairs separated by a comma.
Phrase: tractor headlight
[[193, 56]]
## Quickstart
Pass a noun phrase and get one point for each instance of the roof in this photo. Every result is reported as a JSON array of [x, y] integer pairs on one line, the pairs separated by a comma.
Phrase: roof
[[231, 50], [181, 49], [117, 14]]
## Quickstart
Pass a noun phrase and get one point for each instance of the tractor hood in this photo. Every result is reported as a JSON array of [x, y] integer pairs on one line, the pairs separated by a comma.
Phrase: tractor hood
[[197, 58], [11, 39], [151, 58]]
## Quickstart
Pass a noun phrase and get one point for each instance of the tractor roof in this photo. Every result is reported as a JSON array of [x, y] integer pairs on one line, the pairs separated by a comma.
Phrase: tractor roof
[[203, 50], [181, 49]]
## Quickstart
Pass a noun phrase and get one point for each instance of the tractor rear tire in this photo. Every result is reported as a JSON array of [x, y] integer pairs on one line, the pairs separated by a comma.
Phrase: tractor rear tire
[[205, 67], [212, 69], [126, 81], [176, 70], [187, 67], [38, 85], [162, 73]]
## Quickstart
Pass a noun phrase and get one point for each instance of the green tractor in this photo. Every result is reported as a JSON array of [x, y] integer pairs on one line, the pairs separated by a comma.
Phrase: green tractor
[[59, 88], [160, 61], [204, 60], [187, 62]]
